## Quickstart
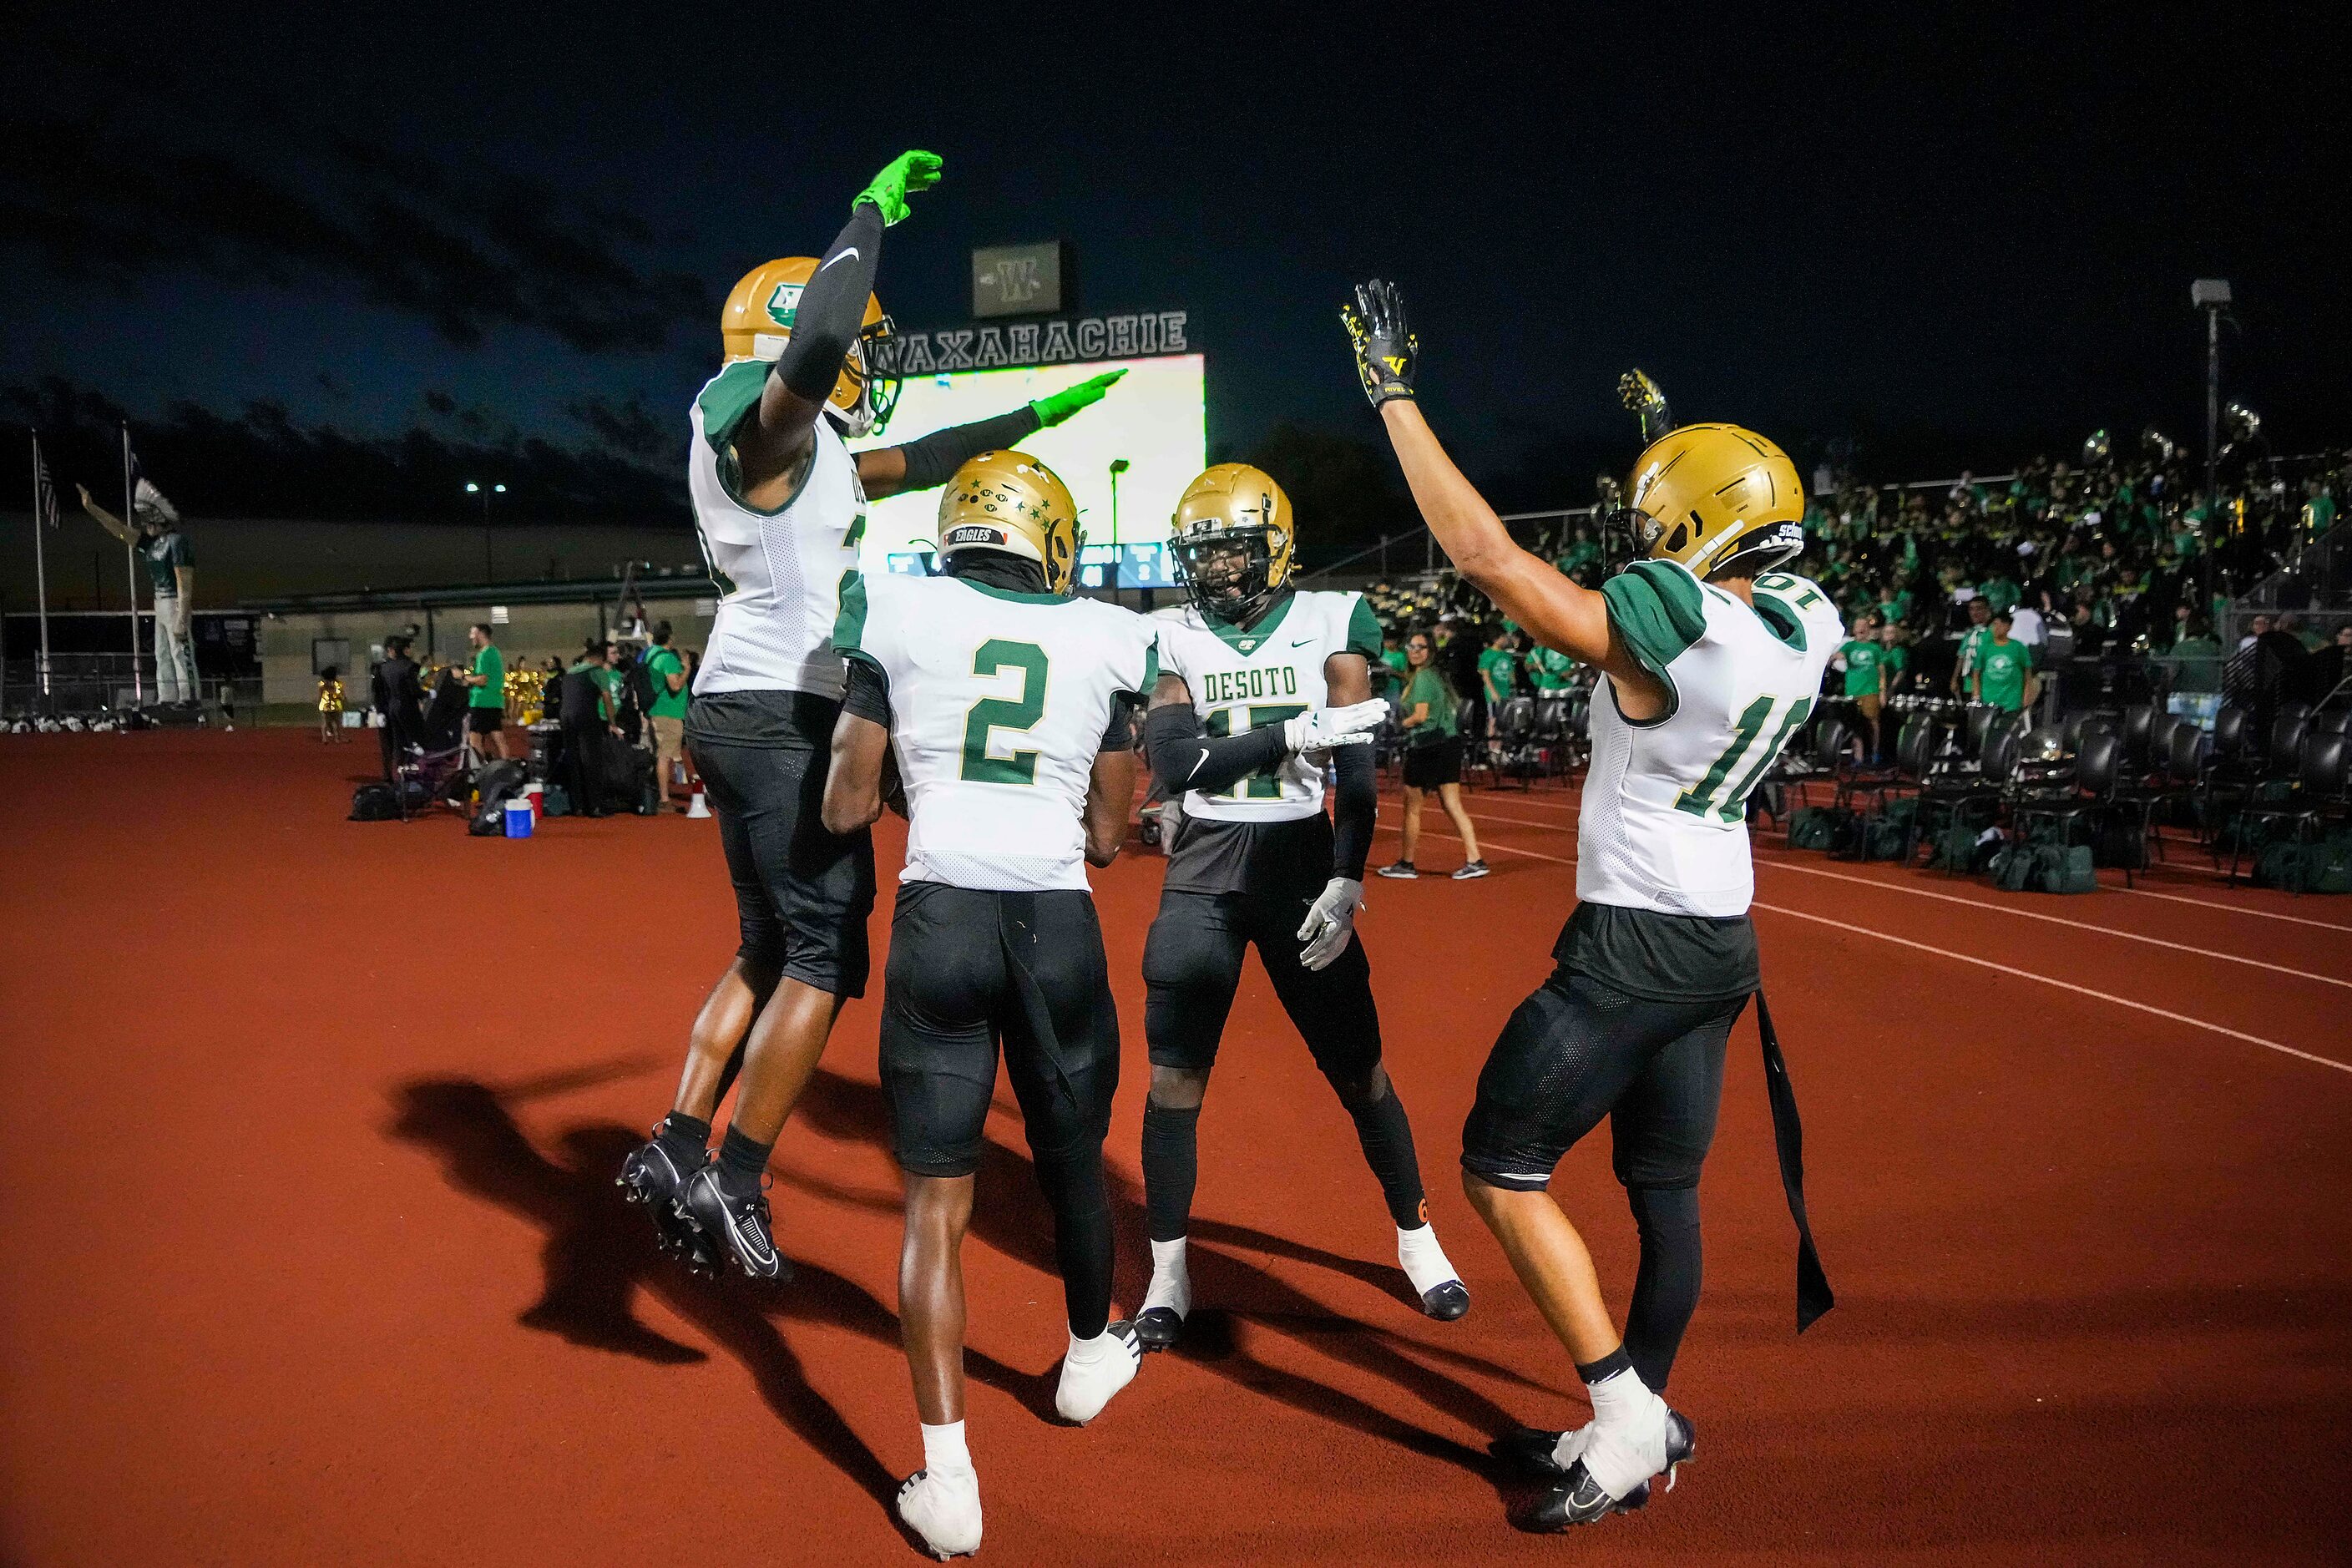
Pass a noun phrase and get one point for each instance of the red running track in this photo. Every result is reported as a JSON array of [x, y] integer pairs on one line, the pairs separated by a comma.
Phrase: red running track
[[311, 1253]]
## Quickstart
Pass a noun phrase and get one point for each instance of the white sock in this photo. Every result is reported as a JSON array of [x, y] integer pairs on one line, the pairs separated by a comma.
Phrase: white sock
[[943, 1447], [1086, 1352], [1423, 1261], [1629, 1430], [1172, 1286]]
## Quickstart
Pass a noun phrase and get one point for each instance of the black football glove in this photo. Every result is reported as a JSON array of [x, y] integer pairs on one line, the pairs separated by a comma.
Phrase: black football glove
[[1386, 348]]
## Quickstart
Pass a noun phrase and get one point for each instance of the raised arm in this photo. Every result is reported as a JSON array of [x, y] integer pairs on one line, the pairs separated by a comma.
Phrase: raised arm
[[1555, 611], [932, 460], [773, 443], [105, 519]]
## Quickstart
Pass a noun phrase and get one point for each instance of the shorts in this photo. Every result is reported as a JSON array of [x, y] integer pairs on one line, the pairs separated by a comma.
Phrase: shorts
[[669, 745], [970, 969], [1869, 704], [1193, 965], [802, 894], [1577, 1051], [1426, 767], [485, 721]]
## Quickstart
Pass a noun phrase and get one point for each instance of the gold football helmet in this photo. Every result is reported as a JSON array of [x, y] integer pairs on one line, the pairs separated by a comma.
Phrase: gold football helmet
[[1012, 502], [757, 322], [1233, 537], [1722, 501]]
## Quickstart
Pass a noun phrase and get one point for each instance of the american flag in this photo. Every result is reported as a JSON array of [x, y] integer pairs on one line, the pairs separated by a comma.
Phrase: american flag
[[45, 494]]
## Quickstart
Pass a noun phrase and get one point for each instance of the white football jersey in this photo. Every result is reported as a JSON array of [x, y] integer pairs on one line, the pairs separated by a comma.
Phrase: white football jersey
[[1245, 679], [999, 702], [1664, 824], [780, 571]]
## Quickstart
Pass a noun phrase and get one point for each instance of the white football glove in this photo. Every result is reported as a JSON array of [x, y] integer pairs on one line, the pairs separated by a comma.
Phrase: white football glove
[[1330, 922], [1325, 727]]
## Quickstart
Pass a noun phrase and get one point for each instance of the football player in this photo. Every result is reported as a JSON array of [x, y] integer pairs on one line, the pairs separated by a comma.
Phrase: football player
[[779, 501], [1235, 727], [1710, 658], [1006, 705]]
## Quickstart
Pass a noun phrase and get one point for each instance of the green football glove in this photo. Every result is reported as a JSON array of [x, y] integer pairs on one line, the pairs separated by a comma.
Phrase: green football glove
[[1052, 410], [905, 173], [1386, 348]]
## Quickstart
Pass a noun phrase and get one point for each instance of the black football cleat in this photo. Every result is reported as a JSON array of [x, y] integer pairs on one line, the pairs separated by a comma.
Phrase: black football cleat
[[1158, 1328], [1446, 1302], [1580, 1500], [649, 1176], [737, 1226]]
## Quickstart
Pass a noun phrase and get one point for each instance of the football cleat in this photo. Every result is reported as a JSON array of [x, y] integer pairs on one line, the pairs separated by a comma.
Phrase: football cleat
[[1158, 1328], [1581, 1499], [943, 1508], [1446, 1302], [649, 1176], [737, 1225], [1087, 1385]]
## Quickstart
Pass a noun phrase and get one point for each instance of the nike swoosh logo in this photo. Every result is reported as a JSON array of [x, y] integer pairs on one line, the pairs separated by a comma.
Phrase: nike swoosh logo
[[1302, 642], [843, 257]]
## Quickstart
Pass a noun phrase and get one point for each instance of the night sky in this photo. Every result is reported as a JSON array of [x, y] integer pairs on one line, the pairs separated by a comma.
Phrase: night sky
[[1954, 242]]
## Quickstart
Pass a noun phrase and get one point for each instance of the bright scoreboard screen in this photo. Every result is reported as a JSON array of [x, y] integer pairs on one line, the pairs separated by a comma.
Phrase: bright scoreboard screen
[[1156, 419]]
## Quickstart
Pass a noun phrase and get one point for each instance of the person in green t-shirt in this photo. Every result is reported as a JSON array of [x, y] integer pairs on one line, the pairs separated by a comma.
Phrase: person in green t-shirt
[[1432, 759], [486, 705], [2001, 591], [1499, 671], [1972, 644], [1865, 678], [666, 673], [2004, 673], [1392, 658], [1549, 669]]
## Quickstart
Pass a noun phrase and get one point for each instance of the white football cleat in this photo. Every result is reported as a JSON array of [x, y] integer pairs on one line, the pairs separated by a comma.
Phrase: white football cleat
[[1087, 1385], [943, 1508]]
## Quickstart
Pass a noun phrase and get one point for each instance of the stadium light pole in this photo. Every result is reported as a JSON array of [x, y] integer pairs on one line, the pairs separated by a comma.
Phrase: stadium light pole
[[1117, 466], [489, 573]]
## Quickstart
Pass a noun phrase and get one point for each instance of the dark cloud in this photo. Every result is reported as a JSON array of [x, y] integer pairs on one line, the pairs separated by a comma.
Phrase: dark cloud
[[464, 252], [262, 462], [633, 429]]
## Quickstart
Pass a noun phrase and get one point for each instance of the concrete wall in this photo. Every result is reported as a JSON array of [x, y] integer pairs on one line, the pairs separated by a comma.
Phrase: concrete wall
[[535, 633], [238, 560]]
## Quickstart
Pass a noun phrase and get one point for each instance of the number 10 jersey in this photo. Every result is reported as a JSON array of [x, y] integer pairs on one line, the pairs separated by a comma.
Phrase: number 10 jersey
[[1665, 824], [999, 702]]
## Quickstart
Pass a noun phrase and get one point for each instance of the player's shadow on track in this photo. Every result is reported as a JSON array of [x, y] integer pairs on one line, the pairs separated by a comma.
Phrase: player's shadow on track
[[1011, 1214], [599, 1254]]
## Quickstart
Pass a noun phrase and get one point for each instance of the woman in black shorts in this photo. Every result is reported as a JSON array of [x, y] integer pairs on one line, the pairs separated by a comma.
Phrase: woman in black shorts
[[1432, 758]]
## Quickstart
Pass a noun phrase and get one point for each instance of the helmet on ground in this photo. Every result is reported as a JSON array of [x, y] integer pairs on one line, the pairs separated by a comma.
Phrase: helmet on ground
[[1012, 502], [757, 322], [1232, 537], [1722, 501]]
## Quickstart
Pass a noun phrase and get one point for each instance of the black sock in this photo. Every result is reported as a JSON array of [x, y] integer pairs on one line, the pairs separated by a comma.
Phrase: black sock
[[1387, 1138], [686, 1139], [1082, 1239], [1666, 1287], [1607, 1367], [1172, 1167], [741, 1161]]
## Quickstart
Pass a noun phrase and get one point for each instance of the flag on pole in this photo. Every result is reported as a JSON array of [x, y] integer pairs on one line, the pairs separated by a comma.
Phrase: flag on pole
[[45, 492]]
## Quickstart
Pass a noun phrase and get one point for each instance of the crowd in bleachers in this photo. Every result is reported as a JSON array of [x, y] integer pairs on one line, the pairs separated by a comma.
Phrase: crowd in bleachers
[[2118, 551]]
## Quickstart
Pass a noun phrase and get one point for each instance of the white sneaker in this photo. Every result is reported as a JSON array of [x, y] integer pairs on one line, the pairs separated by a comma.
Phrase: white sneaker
[[1087, 1385], [943, 1508]]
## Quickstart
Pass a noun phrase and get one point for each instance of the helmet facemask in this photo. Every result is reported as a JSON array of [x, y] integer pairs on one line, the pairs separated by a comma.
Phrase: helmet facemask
[[865, 369], [1228, 571]]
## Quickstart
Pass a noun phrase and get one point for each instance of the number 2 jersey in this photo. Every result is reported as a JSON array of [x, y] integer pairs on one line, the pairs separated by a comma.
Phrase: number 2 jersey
[[999, 705], [1244, 678], [1664, 823]]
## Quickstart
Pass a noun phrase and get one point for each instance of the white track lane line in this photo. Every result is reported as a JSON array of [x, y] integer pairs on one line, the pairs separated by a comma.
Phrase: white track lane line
[[1572, 808], [1984, 964], [2231, 909], [2004, 909]]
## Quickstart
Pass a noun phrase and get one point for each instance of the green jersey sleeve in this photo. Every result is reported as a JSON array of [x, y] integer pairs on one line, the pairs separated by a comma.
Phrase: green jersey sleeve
[[732, 392], [1657, 608], [1363, 630]]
